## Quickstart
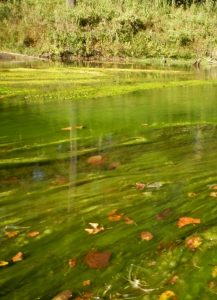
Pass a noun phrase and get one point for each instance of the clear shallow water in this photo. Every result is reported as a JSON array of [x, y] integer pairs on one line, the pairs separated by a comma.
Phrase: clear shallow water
[[162, 138]]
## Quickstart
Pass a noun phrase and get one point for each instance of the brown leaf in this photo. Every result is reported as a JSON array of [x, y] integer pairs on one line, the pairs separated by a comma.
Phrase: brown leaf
[[213, 187], [3, 263], [183, 221], [113, 165], [33, 234], [128, 221], [72, 263], [65, 295], [146, 236], [193, 242], [164, 214], [173, 279], [11, 234], [96, 160], [114, 217], [95, 228], [97, 260], [17, 257], [167, 295], [140, 186], [85, 296], [86, 282]]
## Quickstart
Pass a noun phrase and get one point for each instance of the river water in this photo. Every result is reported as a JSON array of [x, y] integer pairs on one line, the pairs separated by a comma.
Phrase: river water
[[131, 165]]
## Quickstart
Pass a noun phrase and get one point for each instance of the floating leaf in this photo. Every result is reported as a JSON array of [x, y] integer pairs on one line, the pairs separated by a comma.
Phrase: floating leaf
[[114, 217], [97, 260], [128, 221], [168, 295], [213, 194], [86, 282], [183, 221], [146, 236], [65, 295], [192, 194], [72, 263], [11, 234], [95, 228], [140, 186], [96, 160], [66, 128], [33, 234], [3, 263], [193, 242], [214, 272], [17, 257]]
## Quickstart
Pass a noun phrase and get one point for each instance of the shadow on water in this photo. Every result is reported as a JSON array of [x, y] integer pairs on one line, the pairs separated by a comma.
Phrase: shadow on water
[[133, 164]]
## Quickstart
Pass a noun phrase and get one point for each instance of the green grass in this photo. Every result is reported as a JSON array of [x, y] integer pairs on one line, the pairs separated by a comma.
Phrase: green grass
[[107, 28]]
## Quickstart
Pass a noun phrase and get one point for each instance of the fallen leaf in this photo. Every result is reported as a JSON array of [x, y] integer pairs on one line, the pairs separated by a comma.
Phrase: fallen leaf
[[97, 260], [128, 221], [95, 228], [33, 234], [60, 181], [173, 279], [86, 282], [11, 234], [17, 257], [72, 263], [96, 160], [146, 236], [213, 187], [79, 126], [164, 214], [65, 295], [114, 217], [183, 221], [85, 296], [168, 295], [140, 186], [113, 165], [3, 263], [144, 124], [193, 242], [212, 284], [214, 272], [192, 194], [66, 128], [213, 194]]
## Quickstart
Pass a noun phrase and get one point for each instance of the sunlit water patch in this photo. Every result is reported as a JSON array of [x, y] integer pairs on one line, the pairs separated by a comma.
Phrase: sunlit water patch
[[110, 198]]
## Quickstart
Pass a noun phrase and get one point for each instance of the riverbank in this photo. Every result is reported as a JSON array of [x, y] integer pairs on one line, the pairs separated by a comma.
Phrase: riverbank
[[104, 31]]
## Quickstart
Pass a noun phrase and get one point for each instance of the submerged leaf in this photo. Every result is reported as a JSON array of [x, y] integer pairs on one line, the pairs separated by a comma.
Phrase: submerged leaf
[[66, 128], [96, 160], [86, 282], [193, 242], [168, 295], [11, 234], [17, 257], [146, 236], [128, 221], [164, 214], [72, 263], [97, 260], [114, 217], [65, 295], [214, 272], [140, 186], [85, 296], [33, 234], [192, 194], [3, 263], [95, 228], [183, 221], [213, 194]]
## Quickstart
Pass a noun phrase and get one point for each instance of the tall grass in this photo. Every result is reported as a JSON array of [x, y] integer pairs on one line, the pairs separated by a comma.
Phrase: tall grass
[[108, 28]]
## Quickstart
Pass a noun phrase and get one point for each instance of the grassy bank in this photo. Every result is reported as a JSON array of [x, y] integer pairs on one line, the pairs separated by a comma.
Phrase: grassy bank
[[108, 28]]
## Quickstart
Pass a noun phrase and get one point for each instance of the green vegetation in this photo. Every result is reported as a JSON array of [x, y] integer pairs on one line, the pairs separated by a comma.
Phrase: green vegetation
[[107, 28]]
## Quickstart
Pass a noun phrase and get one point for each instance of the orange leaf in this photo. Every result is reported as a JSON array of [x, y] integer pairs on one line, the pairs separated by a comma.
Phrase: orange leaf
[[65, 295], [140, 186], [33, 233], [97, 260], [146, 236], [193, 242], [3, 263], [114, 217], [168, 295], [183, 221], [96, 160], [95, 228], [128, 221], [85, 296], [86, 282], [11, 234], [17, 257], [72, 263]]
